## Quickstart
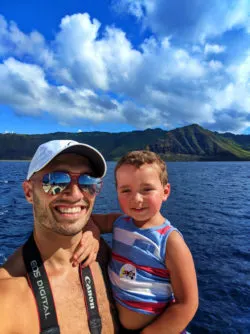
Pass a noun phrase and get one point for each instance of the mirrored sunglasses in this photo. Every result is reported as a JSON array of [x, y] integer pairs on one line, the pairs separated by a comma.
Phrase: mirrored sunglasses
[[56, 182]]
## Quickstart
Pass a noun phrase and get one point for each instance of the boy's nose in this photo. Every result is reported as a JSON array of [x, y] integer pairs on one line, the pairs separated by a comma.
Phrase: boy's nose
[[138, 198]]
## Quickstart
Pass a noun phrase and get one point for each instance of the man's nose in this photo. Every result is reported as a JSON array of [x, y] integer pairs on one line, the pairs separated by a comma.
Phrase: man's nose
[[73, 190]]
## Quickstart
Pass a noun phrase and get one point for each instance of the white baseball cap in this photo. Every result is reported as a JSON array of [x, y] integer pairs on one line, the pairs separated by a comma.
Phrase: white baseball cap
[[48, 151]]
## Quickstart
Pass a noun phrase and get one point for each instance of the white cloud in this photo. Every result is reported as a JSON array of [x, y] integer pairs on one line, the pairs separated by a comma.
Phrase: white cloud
[[196, 48], [231, 103], [241, 71], [14, 43], [90, 60], [27, 90], [24, 86], [214, 48], [76, 53], [134, 7], [236, 93], [191, 20], [215, 65], [7, 132]]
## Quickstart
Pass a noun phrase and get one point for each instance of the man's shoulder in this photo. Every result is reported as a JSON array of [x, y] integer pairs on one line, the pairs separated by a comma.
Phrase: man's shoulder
[[9, 285], [13, 267], [14, 295], [13, 291], [13, 283], [13, 275], [4, 274]]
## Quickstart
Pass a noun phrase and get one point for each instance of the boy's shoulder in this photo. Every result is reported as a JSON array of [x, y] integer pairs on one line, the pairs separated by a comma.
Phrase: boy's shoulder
[[123, 219], [165, 228]]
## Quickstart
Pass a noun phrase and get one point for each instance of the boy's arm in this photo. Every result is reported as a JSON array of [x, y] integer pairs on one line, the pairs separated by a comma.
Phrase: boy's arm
[[105, 221], [180, 263]]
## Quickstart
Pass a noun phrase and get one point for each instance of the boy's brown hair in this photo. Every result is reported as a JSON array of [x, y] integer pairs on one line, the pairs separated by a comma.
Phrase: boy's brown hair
[[143, 157]]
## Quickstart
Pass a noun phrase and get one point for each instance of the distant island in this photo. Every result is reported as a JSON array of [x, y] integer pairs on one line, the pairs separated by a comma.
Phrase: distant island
[[189, 143]]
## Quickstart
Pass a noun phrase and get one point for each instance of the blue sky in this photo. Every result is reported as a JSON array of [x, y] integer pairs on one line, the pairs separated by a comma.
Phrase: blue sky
[[121, 65]]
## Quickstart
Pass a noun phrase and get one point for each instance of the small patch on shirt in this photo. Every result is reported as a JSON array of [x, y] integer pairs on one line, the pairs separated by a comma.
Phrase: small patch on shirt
[[128, 271]]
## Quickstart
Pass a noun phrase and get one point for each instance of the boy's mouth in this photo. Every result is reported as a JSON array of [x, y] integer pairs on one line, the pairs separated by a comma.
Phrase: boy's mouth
[[138, 209]]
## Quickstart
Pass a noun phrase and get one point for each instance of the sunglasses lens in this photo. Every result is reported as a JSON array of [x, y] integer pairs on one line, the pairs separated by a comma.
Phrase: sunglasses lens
[[90, 184], [55, 183]]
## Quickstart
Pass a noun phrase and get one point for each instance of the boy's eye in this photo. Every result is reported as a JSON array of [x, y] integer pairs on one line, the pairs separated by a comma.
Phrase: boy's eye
[[125, 191], [147, 189]]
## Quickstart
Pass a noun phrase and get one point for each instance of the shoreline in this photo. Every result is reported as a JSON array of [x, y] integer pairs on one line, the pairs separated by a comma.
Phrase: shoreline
[[15, 160]]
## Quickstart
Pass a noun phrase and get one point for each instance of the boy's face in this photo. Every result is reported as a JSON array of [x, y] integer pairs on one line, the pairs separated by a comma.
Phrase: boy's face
[[140, 192]]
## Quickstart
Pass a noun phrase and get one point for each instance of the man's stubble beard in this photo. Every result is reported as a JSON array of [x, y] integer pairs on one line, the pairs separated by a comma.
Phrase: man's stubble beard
[[44, 217]]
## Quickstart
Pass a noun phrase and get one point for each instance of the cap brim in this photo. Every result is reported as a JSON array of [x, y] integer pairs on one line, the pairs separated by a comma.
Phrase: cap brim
[[96, 159]]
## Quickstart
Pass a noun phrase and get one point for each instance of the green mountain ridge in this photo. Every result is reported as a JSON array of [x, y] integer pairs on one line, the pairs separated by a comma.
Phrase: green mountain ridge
[[196, 143], [189, 143]]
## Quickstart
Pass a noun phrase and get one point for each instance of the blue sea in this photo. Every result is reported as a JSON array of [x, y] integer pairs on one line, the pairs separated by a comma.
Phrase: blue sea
[[209, 204]]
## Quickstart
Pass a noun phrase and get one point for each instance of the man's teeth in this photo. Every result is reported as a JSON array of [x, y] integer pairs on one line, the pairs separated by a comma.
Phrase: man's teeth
[[70, 210]]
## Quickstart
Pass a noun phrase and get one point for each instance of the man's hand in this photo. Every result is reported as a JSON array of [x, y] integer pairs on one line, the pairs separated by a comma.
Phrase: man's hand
[[88, 247]]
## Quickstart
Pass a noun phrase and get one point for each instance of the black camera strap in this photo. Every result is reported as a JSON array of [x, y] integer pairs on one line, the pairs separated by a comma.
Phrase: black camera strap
[[39, 283], [94, 319]]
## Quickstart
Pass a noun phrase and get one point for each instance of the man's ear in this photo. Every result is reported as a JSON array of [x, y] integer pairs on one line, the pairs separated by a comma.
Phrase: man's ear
[[167, 191], [28, 191]]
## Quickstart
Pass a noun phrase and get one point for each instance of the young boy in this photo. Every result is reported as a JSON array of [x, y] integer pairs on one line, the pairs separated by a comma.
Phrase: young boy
[[152, 271]]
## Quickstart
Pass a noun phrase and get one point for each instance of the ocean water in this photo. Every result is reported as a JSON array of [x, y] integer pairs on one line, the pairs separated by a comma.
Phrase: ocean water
[[209, 204]]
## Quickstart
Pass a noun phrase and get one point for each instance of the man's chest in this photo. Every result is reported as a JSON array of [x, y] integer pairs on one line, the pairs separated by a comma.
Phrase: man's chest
[[70, 306]]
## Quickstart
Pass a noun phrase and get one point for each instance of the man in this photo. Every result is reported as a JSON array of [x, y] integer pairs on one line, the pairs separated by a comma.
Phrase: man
[[40, 290]]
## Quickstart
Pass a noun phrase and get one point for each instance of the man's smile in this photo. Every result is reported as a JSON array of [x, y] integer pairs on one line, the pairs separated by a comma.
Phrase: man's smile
[[71, 211]]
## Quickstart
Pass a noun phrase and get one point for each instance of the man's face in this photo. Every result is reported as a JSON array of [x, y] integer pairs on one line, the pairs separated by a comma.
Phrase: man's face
[[65, 213]]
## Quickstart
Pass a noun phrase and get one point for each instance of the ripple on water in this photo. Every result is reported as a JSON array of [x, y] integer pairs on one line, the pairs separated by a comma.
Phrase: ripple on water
[[241, 254], [3, 212]]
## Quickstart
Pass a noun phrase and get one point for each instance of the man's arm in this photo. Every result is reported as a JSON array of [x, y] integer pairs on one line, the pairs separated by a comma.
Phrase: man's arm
[[180, 264], [5, 301], [105, 221], [88, 247]]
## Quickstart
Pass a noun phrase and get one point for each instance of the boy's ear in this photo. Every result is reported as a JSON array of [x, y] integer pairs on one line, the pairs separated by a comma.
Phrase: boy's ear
[[167, 191], [28, 191]]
